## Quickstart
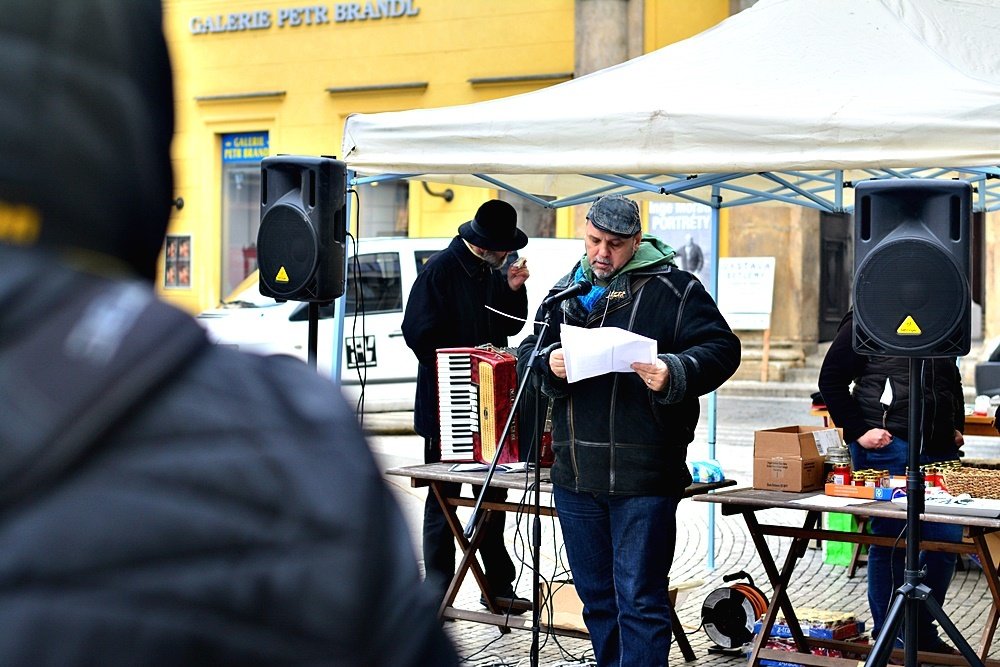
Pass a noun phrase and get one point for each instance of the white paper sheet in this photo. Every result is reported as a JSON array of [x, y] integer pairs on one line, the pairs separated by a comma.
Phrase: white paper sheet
[[590, 352], [832, 501]]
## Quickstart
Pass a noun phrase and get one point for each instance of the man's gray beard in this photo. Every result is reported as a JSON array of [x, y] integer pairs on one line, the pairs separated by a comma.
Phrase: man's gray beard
[[598, 273]]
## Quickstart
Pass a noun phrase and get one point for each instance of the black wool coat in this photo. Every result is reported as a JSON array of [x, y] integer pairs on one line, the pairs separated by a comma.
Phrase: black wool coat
[[612, 433], [447, 308]]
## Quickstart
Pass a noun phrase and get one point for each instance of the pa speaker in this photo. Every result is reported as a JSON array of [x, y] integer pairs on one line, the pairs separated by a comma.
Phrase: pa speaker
[[912, 255], [303, 228]]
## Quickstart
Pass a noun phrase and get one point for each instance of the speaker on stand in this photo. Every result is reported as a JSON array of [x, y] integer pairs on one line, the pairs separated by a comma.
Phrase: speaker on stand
[[912, 294], [912, 298], [302, 240]]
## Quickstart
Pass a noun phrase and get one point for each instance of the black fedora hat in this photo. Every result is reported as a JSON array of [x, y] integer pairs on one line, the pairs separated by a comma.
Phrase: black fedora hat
[[494, 228]]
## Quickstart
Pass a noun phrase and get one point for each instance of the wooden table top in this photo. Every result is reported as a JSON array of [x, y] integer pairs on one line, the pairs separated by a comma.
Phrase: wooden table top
[[815, 501], [424, 474]]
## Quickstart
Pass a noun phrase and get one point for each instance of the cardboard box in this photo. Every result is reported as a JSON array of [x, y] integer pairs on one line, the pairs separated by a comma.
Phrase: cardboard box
[[567, 609], [791, 458]]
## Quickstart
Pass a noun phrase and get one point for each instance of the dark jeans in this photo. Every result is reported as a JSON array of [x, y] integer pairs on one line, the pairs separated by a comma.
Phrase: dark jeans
[[620, 549], [439, 544], [886, 565]]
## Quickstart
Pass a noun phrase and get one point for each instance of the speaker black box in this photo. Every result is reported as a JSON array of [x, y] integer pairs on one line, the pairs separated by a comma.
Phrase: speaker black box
[[301, 243], [912, 254]]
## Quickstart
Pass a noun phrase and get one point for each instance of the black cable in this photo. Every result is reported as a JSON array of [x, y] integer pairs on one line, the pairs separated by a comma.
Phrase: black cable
[[359, 306]]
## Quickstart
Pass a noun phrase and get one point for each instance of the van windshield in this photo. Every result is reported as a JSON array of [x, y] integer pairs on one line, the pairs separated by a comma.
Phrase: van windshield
[[247, 294]]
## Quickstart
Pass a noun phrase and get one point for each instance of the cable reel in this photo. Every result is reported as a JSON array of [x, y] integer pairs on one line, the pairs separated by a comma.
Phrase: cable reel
[[729, 613]]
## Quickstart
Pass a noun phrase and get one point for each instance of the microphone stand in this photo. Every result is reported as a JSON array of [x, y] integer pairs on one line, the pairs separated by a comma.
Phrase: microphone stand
[[536, 531]]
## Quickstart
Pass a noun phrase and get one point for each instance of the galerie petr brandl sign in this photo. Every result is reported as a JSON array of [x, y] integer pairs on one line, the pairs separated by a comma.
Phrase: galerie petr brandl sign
[[299, 17]]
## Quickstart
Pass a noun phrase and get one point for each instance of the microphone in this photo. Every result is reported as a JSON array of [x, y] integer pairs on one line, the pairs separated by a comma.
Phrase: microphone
[[576, 289]]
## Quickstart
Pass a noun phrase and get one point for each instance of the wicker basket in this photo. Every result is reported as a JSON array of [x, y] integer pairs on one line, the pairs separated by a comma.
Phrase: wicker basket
[[977, 482]]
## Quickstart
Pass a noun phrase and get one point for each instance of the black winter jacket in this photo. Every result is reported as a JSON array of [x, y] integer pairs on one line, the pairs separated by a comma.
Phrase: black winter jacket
[[447, 308], [861, 410], [611, 433], [234, 517]]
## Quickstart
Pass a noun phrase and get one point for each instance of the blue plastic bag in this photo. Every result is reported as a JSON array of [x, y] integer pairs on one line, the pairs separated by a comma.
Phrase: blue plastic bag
[[706, 471]]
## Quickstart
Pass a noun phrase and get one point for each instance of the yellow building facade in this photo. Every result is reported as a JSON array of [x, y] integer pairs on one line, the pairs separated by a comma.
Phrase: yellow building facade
[[255, 78]]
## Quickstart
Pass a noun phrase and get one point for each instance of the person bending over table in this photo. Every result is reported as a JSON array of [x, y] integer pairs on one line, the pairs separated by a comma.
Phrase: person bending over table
[[620, 439], [875, 419]]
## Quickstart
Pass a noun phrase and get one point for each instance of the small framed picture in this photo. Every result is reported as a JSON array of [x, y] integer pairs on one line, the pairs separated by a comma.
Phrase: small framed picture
[[177, 262]]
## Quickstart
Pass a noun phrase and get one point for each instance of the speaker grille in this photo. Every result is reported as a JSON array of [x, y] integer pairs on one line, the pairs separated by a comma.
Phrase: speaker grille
[[910, 278], [287, 249]]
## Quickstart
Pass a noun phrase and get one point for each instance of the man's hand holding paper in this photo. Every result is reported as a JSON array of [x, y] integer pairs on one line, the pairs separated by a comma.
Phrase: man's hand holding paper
[[591, 352]]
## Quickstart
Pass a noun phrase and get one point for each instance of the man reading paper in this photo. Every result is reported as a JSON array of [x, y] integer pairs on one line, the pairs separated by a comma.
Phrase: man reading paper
[[620, 439]]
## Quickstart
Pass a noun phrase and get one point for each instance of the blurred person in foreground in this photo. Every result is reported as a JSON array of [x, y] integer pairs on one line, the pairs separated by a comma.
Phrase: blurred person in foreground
[[620, 439], [165, 502], [875, 417]]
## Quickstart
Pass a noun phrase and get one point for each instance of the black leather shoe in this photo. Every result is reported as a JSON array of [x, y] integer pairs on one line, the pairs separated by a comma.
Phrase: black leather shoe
[[508, 604]]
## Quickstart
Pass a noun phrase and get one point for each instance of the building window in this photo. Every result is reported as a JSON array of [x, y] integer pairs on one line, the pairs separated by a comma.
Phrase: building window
[[384, 209], [241, 156]]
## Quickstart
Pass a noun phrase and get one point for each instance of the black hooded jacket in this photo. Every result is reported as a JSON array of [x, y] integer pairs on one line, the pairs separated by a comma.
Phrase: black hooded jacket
[[233, 516], [162, 501], [613, 434]]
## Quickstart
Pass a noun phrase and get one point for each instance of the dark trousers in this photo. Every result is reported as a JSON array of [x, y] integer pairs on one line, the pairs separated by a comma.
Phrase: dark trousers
[[439, 546]]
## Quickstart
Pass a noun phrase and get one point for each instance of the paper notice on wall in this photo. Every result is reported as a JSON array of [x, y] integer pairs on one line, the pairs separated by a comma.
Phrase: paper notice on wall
[[591, 352]]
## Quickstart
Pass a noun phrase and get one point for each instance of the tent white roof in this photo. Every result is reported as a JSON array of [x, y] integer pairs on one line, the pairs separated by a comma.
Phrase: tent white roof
[[784, 101]]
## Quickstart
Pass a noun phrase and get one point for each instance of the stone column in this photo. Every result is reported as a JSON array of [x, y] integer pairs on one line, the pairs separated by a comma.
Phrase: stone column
[[791, 235], [607, 32], [601, 34]]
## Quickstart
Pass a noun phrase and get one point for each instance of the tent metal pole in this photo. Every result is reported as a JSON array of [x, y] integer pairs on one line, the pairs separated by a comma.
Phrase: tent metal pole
[[716, 204]]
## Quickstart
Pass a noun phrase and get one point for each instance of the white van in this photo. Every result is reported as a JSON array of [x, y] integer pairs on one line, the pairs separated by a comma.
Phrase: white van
[[374, 355]]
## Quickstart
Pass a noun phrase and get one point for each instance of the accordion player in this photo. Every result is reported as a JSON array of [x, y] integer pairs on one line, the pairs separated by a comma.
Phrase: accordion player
[[476, 391]]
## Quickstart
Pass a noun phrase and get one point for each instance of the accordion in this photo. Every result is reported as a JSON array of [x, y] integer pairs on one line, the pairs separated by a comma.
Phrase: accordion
[[476, 391]]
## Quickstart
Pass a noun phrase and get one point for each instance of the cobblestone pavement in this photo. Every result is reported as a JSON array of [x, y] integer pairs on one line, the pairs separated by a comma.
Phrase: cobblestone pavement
[[815, 584]]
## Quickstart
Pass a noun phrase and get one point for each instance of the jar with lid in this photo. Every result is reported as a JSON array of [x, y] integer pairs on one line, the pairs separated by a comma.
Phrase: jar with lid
[[838, 465], [933, 477]]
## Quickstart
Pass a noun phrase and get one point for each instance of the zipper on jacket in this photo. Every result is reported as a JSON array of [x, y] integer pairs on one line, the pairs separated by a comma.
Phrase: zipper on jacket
[[572, 442], [636, 298]]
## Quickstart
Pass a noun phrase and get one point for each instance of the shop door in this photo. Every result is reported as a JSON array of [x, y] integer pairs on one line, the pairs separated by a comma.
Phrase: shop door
[[836, 275]]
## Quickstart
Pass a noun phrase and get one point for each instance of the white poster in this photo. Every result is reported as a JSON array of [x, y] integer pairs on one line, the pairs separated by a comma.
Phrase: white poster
[[687, 228], [746, 292]]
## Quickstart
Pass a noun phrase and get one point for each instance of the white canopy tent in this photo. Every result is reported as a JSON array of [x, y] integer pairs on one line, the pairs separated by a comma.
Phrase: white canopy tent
[[785, 101], [788, 101]]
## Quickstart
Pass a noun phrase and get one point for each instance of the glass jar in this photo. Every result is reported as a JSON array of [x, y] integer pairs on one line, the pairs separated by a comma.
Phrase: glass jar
[[838, 465], [841, 473]]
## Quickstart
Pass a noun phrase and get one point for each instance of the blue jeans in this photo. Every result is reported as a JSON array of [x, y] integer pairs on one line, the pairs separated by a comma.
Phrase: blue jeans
[[885, 565], [620, 549]]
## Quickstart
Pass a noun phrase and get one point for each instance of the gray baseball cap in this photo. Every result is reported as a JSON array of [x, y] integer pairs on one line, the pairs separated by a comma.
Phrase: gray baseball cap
[[615, 214]]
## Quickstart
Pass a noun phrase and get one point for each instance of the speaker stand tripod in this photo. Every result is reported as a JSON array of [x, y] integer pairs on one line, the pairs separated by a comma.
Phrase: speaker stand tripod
[[908, 598], [313, 310]]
